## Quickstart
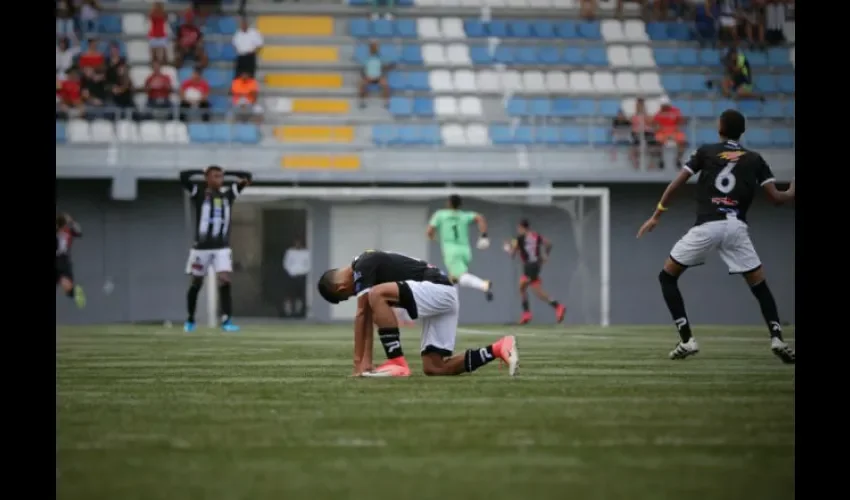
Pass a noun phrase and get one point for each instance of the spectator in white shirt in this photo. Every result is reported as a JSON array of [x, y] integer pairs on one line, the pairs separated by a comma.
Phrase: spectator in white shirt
[[247, 42], [296, 263], [65, 55]]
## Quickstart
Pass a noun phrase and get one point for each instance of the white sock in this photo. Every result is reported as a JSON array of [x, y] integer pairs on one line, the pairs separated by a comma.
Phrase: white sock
[[471, 281]]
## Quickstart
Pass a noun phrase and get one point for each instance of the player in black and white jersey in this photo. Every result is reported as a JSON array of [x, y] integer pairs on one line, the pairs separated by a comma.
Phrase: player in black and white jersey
[[386, 280], [212, 201], [729, 176]]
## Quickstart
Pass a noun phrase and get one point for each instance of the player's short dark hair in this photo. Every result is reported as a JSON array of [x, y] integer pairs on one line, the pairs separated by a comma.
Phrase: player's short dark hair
[[732, 124], [327, 283], [213, 168], [455, 201], [524, 223], [60, 220]]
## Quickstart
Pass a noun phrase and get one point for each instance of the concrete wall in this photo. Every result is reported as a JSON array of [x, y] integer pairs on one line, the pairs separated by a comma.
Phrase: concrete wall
[[138, 249]]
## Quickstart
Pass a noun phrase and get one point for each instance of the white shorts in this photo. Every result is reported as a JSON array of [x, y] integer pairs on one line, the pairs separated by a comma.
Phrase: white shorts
[[158, 43], [730, 238], [438, 308], [220, 259], [728, 21]]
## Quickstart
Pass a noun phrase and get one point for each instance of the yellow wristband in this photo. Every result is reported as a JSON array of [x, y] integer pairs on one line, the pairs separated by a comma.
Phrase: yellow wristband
[[661, 208]]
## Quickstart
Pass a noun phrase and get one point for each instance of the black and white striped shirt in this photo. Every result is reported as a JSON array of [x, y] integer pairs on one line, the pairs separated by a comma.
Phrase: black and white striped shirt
[[213, 209]]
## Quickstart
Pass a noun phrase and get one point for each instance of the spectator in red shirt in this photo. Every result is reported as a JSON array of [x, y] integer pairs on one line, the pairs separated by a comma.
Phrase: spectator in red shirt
[[194, 95], [158, 87], [157, 35], [189, 43], [668, 121], [91, 58], [70, 94]]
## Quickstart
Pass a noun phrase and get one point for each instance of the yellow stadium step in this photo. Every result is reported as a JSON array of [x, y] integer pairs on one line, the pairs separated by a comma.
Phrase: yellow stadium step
[[291, 53], [321, 162], [321, 106], [296, 25], [304, 80], [314, 133]]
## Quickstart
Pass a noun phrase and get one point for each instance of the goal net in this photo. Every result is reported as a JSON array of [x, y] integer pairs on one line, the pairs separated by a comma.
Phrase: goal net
[[344, 221]]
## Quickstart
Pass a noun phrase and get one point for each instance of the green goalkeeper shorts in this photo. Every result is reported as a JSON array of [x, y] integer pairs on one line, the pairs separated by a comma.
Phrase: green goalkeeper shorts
[[457, 260]]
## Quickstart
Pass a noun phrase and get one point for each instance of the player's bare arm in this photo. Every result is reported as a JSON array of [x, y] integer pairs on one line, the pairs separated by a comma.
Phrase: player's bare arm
[[431, 232], [363, 336], [73, 226], [547, 249], [664, 202], [511, 248], [483, 242], [778, 197]]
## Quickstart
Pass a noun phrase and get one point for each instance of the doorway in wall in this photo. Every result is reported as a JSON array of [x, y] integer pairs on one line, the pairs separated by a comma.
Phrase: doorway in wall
[[286, 262]]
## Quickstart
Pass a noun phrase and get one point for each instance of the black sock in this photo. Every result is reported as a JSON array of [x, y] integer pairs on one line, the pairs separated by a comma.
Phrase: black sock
[[524, 306], [768, 309], [554, 303], [675, 303], [474, 359], [226, 300], [391, 340], [192, 300]]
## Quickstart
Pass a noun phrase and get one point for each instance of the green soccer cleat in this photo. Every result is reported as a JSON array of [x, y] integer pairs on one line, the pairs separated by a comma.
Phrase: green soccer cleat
[[79, 296]]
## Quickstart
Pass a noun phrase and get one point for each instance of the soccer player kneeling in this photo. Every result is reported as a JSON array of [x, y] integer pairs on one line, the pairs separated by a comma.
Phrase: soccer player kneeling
[[385, 280]]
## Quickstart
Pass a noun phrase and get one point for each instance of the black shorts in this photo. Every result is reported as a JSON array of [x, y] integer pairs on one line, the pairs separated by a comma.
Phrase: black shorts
[[531, 273], [64, 268]]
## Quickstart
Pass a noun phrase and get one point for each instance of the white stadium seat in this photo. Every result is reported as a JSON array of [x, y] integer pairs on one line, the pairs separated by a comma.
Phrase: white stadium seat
[[440, 80], [618, 56], [176, 132], [138, 52], [134, 24], [516, 3], [539, 3], [279, 105], [171, 72], [476, 135], [127, 131], [488, 81], [790, 31], [462, 3], [628, 105], [457, 54], [488, 3], [642, 57], [510, 81], [634, 30], [433, 54], [452, 28], [612, 30], [102, 131], [151, 132], [470, 106], [141, 100], [652, 105], [626, 82], [138, 75], [556, 82], [445, 106], [78, 131], [428, 28], [427, 3], [464, 81], [453, 135], [650, 83], [564, 4], [534, 82], [603, 82], [580, 82]]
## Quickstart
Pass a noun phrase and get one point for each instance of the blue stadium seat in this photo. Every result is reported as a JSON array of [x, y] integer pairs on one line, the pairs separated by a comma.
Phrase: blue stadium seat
[[418, 135], [517, 106], [220, 51], [782, 137], [709, 57], [757, 137], [786, 83], [567, 29], [423, 106], [383, 135], [596, 56], [200, 133], [480, 54], [218, 78], [590, 30], [539, 106], [411, 54], [750, 108], [360, 28], [60, 132], [227, 25], [474, 28], [368, 3], [694, 82], [608, 108], [665, 57], [573, 55], [109, 24], [504, 55], [543, 29], [401, 106], [685, 107], [548, 55], [774, 109], [724, 104], [501, 134], [383, 28], [525, 55], [702, 109], [389, 53], [706, 135], [687, 56], [756, 59], [778, 56], [523, 134], [765, 83], [497, 28], [361, 52], [681, 32], [672, 82], [519, 29], [790, 108], [219, 103], [599, 135], [103, 46], [246, 133], [572, 108], [657, 32], [547, 134], [406, 28], [574, 134], [414, 80]]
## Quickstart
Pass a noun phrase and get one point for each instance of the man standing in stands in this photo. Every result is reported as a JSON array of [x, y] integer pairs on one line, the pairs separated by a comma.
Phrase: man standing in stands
[[247, 42]]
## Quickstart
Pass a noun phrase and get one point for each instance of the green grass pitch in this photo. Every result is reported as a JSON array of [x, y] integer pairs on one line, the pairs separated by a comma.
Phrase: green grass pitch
[[148, 413]]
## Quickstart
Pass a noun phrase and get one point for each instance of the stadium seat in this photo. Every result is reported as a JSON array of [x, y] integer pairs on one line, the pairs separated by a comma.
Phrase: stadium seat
[[433, 54], [556, 82], [464, 81], [665, 57], [627, 83], [782, 137], [446, 106], [470, 106], [245, 133], [61, 132], [428, 28], [135, 24], [650, 83], [176, 132], [138, 52], [474, 28], [78, 131], [612, 30], [757, 138], [440, 80], [488, 81], [533, 82], [511, 81], [152, 132], [423, 106], [457, 54], [127, 131], [709, 57], [619, 57], [452, 28], [603, 82], [476, 135], [641, 57], [634, 30], [401, 106], [453, 135], [109, 24], [580, 82]]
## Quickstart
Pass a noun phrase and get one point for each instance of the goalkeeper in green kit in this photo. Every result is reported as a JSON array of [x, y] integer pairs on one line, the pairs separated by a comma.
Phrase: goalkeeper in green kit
[[451, 225]]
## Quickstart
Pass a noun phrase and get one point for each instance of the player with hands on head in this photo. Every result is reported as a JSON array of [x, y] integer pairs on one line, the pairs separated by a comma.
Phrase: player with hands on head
[[729, 176], [450, 225], [533, 249]]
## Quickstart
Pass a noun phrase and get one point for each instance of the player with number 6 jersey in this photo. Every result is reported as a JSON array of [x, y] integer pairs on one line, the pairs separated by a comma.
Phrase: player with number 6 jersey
[[383, 281], [729, 177], [450, 225]]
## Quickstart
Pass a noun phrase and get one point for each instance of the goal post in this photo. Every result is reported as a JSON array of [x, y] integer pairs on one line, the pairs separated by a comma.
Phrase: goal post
[[568, 202]]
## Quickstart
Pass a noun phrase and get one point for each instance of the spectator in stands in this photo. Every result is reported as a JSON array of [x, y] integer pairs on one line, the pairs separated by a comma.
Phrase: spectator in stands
[[122, 92], [642, 133], [65, 55], [667, 123], [245, 91], [705, 23], [644, 7], [728, 21], [588, 9], [94, 89], [157, 34], [775, 12], [386, 6], [738, 81], [194, 97], [91, 57], [621, 132], [190, 43], [374, 72], [70, 94], [247, 42], [89, 17], [113, 61], [158, 87], [65, 15], [751, 17]]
